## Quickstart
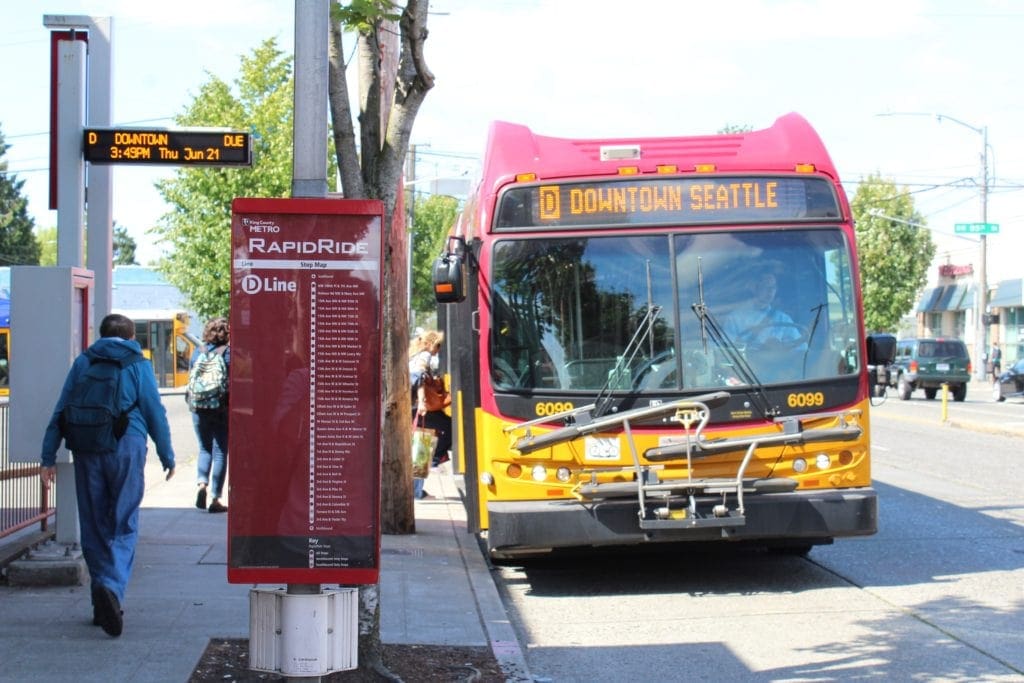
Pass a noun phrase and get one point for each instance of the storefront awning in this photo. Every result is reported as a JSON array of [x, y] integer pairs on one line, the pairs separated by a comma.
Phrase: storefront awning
[[955, 297], [928, 299], [1008, 294]]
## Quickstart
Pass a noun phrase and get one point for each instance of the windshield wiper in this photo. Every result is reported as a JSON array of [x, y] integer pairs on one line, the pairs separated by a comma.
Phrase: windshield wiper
[[603, 401], [810, 335], [710, 327]]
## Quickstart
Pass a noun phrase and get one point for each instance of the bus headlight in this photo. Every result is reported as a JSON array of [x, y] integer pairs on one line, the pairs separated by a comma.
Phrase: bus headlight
[[563, 474], [799, 465], [822, 461], [486, 478], [539, 473]]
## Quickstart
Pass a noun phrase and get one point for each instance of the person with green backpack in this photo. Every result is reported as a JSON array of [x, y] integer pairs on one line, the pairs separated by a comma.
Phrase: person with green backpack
[[207, 396]]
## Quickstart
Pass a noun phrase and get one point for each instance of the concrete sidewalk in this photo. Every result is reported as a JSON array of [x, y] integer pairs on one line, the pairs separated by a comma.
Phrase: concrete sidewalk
[[436, 589]]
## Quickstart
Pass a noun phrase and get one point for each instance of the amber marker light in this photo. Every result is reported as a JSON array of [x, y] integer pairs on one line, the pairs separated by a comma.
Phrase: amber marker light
[[514, 470], [667, 168], [805, 168], [629, 170], [525, 177], [705, 168]]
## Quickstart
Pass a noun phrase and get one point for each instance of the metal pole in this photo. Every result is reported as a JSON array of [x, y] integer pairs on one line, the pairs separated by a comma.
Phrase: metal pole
[[980, 327], [309, 136], [70, 206], [309, 126], [99, 198]]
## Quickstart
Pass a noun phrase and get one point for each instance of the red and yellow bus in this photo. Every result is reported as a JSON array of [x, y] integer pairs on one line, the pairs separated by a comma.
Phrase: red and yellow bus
[[162, 334], [166, 342], [605, 393]]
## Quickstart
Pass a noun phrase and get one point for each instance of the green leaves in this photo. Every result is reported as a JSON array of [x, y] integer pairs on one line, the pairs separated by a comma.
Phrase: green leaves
[[895, 251], [197, 230], [432, 219], [18, 244]]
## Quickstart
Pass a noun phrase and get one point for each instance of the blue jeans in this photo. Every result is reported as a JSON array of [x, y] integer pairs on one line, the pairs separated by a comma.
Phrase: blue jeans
[[417, 487], [110, 488], [212, 431]]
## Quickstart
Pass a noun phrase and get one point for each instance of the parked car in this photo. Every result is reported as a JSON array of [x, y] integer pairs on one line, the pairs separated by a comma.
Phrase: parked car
[[1010, 383], [928, 364]]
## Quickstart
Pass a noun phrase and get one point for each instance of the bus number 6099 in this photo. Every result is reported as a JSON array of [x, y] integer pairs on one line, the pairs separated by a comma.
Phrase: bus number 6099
[[806, 400], [552, 407]]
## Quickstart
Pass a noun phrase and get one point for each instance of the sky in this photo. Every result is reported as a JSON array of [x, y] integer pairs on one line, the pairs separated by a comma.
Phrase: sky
[[605, 68]]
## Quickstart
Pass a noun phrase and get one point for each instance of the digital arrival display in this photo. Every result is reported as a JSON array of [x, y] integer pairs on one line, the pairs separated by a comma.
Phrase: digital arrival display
[[173, 147]]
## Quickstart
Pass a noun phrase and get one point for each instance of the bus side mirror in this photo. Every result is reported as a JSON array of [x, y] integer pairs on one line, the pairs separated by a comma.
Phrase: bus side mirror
[[881, 355], [449, 279]]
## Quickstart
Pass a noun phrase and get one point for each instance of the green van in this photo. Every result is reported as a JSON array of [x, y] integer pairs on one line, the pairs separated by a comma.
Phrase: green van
[[928, 364]]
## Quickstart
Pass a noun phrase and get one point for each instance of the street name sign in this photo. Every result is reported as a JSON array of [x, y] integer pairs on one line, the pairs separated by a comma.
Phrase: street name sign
[[976, 228]]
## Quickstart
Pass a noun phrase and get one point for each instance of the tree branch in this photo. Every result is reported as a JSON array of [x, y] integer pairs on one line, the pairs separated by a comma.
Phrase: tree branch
[[341, 117]]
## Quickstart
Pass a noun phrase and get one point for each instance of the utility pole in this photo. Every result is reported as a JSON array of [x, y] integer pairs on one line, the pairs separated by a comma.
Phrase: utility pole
[[981, 297], [979, 322]]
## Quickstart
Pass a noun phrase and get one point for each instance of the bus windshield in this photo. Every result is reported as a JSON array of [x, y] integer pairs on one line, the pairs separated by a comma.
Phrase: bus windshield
[[565, 309]]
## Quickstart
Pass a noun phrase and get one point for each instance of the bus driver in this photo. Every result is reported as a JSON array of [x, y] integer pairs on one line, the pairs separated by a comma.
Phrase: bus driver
[[755, 323]]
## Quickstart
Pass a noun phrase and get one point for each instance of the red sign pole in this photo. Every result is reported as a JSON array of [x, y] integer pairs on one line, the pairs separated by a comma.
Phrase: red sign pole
[[305, 407]]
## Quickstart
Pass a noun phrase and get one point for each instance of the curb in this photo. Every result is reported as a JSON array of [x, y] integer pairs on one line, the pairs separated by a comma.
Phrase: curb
[[498, 627], [968, 425]]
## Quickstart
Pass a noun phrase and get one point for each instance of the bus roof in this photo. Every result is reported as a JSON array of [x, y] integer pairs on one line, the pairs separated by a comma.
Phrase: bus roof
[[137, 314], [514, 149]]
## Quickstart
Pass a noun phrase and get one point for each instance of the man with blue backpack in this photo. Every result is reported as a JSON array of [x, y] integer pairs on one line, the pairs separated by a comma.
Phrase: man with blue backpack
[[108, 405]]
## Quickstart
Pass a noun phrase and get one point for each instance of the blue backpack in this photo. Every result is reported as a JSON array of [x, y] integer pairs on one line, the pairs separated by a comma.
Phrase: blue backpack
[[90, 421]]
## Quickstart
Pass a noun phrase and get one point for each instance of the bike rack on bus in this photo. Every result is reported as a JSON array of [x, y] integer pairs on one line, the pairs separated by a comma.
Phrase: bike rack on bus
[[693, 415]]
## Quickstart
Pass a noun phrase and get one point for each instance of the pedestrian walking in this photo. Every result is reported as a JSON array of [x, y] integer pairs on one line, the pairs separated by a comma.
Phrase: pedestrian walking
[[207, 396], [109, 456], [997, 361]]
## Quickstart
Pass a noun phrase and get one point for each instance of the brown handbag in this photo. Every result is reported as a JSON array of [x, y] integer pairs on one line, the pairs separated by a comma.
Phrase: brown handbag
[[434, 394]]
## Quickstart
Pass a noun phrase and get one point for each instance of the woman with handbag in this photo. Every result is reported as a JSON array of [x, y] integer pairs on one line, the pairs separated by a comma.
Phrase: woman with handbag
[[429, 399]]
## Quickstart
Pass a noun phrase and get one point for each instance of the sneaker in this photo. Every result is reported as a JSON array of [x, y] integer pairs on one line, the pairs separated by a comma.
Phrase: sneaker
[[216, 506], [426, 496], [201, 498], [107, 611]]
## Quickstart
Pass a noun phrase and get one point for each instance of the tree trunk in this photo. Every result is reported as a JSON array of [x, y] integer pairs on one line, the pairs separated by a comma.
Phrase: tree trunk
[[397, 515], [385, 119]]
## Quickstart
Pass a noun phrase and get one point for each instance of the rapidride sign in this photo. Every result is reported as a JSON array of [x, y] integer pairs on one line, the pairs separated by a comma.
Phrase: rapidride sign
[[305, 391]]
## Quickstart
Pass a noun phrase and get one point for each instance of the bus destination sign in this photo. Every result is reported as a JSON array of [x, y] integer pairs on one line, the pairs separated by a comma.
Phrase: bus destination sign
[[656, 200], [168, 146]]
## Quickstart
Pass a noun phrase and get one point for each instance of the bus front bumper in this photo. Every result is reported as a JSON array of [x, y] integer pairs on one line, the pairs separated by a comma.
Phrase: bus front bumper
[[808, 517]]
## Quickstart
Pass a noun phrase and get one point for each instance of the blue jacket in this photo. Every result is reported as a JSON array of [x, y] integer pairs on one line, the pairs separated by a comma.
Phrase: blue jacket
[[138, 383]]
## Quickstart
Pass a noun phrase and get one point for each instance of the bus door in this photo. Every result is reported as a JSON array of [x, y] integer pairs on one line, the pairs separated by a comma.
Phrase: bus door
[[157, 345]]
